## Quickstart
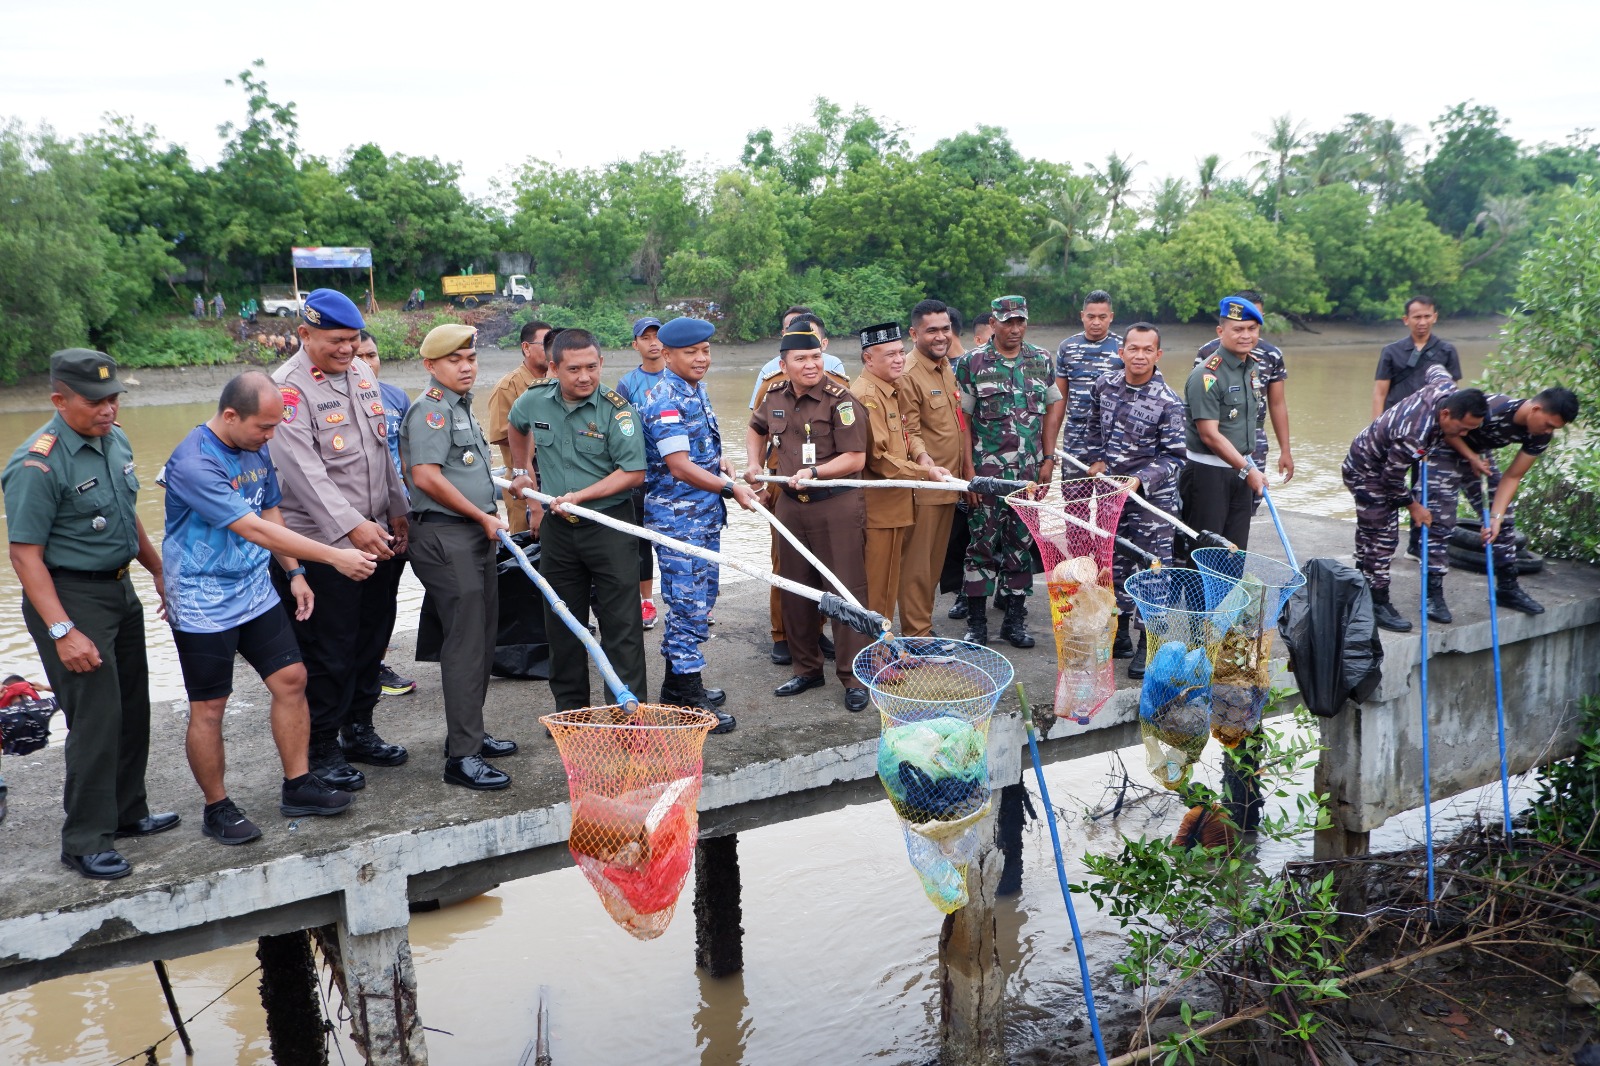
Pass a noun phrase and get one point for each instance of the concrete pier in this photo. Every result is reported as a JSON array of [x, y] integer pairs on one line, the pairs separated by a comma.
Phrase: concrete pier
[[409, 837]]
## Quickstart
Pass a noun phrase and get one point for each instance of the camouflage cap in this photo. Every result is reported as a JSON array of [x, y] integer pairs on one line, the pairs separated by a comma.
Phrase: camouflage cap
[[450, 337], [1008, 307]]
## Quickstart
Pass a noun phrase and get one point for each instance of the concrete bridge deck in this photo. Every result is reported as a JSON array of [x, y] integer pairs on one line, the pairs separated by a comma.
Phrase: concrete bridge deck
[[411, 837]]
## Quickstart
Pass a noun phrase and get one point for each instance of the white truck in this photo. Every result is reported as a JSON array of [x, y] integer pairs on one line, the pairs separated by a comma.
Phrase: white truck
[[517, 289], [283, 306]]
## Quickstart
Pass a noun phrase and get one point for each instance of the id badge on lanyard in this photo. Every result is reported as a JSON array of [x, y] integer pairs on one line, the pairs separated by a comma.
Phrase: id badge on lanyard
[[808, 450]]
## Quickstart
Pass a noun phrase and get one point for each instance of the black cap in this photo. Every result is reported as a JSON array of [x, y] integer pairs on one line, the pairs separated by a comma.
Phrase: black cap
[[800, 341], [90, 374], [881, 334]]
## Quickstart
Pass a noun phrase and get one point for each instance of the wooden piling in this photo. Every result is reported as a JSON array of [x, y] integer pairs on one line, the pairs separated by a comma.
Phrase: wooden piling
[[295, 1024], [718, 934], [972, 983]]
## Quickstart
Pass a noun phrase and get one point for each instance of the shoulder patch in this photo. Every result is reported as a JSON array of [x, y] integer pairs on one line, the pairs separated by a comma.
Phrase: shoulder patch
[[613, 398], [1208, 380], [43, 445], [847, 413], [435, 393], [37, 465]]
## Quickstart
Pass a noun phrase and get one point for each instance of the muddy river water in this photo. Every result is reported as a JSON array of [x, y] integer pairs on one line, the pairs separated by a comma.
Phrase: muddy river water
[[840, 945]]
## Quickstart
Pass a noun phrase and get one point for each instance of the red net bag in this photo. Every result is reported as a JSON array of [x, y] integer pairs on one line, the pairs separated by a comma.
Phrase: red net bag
[[634, 780], [1075, 534]]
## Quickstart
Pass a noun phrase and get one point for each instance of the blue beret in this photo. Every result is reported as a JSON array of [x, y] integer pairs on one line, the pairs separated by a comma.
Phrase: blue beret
[[685, 332], [331, 309], [1238, 309]]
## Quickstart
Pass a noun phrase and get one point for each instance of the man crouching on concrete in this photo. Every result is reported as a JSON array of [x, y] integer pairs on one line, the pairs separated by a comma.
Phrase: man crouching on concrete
[[223, 525]]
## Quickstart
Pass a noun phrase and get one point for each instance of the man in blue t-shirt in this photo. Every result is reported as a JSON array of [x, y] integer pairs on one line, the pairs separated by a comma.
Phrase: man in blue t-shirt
[[223, 525], [395, 405]]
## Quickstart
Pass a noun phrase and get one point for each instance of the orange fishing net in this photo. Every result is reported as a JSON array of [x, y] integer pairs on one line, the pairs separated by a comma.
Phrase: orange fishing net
[[635, 786], [1075, 534]]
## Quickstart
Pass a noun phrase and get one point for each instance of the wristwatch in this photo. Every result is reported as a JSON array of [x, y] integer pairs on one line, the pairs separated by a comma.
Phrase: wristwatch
[[1244, 472], [816, 475], [517, 471], [61, 629], [298, 571], [727, 490]]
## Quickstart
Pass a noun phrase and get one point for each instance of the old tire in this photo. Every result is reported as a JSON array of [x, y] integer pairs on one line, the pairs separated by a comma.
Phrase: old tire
[[283, 312]]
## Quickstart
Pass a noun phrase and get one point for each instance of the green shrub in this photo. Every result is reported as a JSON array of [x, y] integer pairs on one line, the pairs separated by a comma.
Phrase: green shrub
[[608, 321], [148, 344], [848, 300]]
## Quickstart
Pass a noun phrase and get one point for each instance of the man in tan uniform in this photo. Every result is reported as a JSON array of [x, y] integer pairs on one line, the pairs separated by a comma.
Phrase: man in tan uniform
[[928, 394], [535, 366], [340, 488], [892, 424], [816, 430]]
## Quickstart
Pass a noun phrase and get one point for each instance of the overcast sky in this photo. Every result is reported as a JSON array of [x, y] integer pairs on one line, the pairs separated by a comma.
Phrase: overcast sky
[[488, 84]]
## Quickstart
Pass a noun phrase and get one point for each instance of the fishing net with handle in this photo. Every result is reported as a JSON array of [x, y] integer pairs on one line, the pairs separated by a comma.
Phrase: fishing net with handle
[[1242, 680]]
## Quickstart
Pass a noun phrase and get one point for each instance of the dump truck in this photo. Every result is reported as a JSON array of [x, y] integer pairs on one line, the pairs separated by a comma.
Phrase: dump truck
[[468, 290]]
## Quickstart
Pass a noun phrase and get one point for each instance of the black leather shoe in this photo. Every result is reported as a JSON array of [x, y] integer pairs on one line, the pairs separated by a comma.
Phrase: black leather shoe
[[796, 685], [148, 826], [780, 653], [855, 699], [826, 645], [361, 743], [101, 866], [472, 772], [716, 697], [1386, 617], [1507, 593], [726, 723], [496, 749], [1136, 663], [332, 769]]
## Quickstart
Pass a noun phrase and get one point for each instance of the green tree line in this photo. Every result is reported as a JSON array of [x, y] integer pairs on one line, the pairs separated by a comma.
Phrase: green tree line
[[103, 231]]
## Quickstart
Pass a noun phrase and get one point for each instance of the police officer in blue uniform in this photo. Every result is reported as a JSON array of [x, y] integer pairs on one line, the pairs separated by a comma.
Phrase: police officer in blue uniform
[[687, 482]]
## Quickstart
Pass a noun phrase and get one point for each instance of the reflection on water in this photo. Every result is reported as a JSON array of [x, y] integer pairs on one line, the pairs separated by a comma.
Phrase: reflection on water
[[840, 942]]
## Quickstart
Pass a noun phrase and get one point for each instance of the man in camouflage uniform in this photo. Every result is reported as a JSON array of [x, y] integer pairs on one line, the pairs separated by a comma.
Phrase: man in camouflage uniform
[[1081, 360], [1529, 423], [1136, 430], [686, 484], [1014, 410], [1272, 374], [1375, 472]]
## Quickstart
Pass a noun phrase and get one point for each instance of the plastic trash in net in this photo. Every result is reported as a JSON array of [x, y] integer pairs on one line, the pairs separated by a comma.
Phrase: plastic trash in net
[[1076, 533], [634, 780], [935, 698], [1184, 633], [1242, 679]]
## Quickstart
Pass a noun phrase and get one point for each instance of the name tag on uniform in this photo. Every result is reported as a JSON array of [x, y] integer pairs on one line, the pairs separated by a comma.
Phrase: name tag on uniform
[[541, 425], [87, 485], [808, 454], [777, 412], [1233, 388]]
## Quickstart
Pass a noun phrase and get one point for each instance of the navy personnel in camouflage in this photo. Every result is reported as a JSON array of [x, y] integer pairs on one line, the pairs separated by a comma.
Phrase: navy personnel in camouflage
[[1532, 424], [1083, 359], [1268, 359], [1014, 412], [1135, 430], [1375, 472]]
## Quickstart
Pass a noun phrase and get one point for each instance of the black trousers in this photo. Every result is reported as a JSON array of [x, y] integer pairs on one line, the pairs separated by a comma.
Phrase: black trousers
[[456, 564], [579, 560], [107, 709], [343, 641], [1214, 500]]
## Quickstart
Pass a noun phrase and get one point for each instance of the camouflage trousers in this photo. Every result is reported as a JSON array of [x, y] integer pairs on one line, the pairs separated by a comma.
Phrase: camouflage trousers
[[1147, 531], [999, 555], [1377, 530], [1449, 475], [689, 589]]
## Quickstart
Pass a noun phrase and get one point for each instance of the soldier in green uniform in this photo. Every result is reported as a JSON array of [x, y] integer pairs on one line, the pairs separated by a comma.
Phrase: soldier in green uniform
[[69, 495], [591, 452], [455, 516], [1014, 410]]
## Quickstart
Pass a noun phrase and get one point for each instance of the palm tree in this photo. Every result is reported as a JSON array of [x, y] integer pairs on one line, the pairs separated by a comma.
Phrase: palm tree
[[1507, 215], [1115, 181], [1209, 170], [1330, 160], [1285, 139], [1169, 202], [1386, 155], [1070, 212]]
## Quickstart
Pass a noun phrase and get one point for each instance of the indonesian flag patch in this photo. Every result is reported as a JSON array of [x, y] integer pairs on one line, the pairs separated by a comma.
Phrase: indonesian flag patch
[[671, 416]]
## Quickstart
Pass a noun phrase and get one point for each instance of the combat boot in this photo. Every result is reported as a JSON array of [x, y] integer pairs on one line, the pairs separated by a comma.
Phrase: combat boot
[[688, 690], [977, 620], [1122, 647], [1384, 614], [958, 609], [361, 743], [328, 763], [1438, 610], [1507, 593], [1015, 626], [1140, 653]]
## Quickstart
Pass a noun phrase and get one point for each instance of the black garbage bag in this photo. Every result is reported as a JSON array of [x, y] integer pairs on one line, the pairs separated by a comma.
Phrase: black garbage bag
[[1334, 649], [520, 647]]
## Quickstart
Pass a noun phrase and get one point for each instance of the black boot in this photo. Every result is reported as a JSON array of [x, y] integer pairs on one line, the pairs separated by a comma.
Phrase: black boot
[[1015, 626], [1438, 610], [977, 620], [328, 763], [361, 743], [688, 690], [1384, 614], [1414, 542], [1507, 593], [1140, 653], [1122, 647], [958, 609]]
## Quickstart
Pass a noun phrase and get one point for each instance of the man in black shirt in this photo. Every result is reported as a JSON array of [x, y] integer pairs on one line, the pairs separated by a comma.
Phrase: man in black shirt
[[1402, 365]]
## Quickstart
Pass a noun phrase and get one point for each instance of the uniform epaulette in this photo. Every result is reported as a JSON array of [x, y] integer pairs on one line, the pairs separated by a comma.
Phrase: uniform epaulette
[[1213, 362], [43, 445], [777, 387], [434, 393], [831, 389], [614, 398]]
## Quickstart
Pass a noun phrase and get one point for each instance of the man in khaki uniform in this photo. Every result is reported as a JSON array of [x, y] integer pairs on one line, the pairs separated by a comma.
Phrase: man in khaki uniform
[[535, 366], [893, 429], [340, 488], [928, 394]]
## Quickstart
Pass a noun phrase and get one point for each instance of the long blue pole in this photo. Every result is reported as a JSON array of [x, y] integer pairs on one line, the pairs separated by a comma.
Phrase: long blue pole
[[1427, 779], [1061, 875], [1272, 509], [625, 699], [1494, 639]]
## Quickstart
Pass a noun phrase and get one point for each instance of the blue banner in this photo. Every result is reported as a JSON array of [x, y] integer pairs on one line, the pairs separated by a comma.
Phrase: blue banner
[[332, 258]]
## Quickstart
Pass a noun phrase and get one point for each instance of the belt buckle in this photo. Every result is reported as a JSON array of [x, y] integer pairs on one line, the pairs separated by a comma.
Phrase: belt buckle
[[804, 497], [124, 572]]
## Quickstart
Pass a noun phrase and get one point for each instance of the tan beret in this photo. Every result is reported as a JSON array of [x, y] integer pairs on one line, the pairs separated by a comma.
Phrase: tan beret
[[450, 337]]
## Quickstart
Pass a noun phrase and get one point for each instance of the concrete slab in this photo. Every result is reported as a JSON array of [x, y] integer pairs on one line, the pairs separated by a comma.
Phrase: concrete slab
[[410, 833]]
